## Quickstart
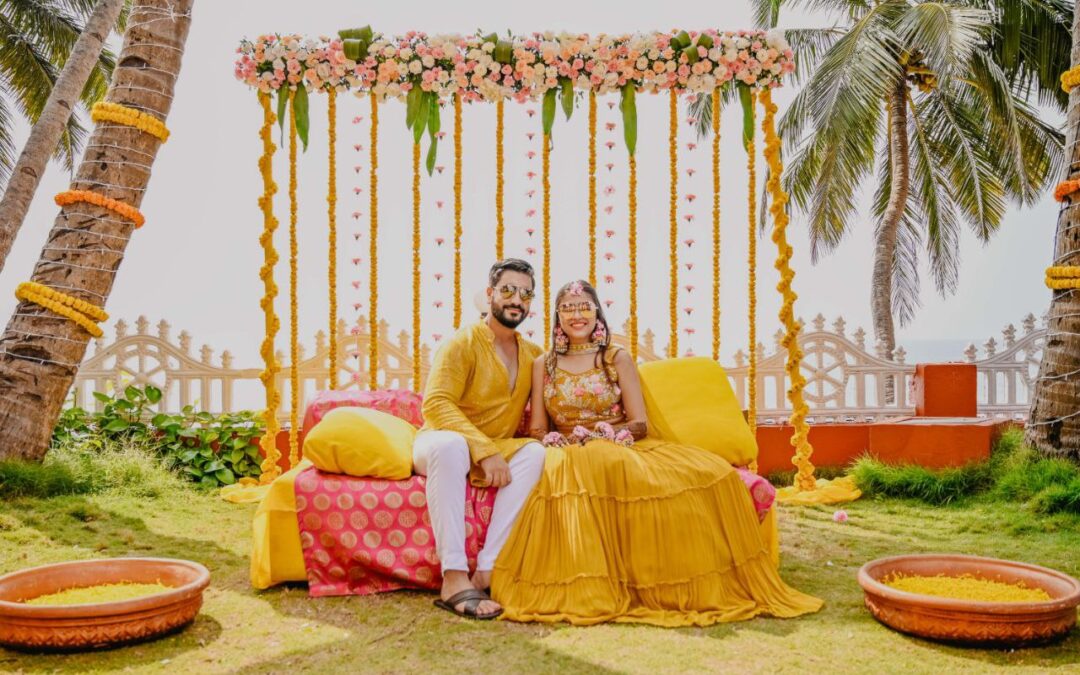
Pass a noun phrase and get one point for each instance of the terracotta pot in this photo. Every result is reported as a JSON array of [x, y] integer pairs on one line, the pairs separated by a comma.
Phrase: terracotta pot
[[965, 621], [104, 624]]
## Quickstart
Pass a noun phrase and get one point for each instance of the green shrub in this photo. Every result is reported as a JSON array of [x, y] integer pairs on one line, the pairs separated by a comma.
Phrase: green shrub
[[90, 466], [1059, 498], [938, 487], [210, 449], [1027, 475]]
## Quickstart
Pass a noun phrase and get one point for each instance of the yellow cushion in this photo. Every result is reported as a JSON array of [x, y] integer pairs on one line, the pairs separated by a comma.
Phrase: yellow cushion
[[276, 554], [690, 401], [362, 442]]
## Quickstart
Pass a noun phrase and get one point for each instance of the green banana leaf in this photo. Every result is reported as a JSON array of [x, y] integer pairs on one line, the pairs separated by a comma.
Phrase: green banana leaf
[[681, 41], [547, 115], [433, 125], [300, 109], [421, 119], [691, 54], [748, 114], [504, 52], [567, 95], [705, 41], [355, 42], [282, 108], [412, 104], [628, 106]]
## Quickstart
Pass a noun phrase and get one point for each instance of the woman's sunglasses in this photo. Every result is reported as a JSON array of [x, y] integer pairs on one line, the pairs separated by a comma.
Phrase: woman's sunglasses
[[507, 291], [586, 309]]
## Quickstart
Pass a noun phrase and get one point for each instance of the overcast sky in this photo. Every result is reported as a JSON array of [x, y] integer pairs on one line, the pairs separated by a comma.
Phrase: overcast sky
[[196, 261]]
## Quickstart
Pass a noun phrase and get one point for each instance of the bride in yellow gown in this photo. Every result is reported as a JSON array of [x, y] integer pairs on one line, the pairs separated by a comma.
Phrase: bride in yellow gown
[[628, 530]]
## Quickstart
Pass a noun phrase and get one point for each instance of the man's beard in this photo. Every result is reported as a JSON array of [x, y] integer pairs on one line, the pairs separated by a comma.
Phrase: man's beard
[[501, 317]]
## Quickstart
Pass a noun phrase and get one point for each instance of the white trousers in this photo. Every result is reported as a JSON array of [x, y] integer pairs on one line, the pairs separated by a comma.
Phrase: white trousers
[[443, 456]]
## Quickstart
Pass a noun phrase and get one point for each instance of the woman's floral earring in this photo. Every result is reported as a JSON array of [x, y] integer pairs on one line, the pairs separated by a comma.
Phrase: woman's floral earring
[[562, 342], [600, 335]]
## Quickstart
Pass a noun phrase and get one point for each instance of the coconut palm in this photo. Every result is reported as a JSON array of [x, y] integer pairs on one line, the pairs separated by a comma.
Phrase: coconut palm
[[39, 350], [1054, 424], [941, 99], [51, 125], [36, 37]]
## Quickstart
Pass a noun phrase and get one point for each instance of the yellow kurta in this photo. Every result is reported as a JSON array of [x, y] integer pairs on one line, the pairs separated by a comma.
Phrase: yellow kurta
[[468, 391]]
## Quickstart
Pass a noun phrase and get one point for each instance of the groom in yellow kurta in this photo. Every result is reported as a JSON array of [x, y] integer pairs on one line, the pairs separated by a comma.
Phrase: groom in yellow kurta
[[474, 400]]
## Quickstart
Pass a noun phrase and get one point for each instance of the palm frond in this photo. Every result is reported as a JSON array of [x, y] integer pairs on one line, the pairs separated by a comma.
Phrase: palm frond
[[906, 283], [701, 109], [946, 34], [809, 45], [7, 145]]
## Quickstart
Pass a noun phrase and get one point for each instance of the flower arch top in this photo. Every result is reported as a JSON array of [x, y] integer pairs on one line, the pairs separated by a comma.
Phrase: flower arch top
[[527, 67]]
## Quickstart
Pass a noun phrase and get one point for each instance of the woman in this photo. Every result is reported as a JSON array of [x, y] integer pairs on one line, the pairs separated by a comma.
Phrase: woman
[[623, 527]]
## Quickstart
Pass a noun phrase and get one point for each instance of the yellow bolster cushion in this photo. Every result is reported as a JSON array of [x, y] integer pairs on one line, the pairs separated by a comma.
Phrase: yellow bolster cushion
[[362, 442], [690, 401]]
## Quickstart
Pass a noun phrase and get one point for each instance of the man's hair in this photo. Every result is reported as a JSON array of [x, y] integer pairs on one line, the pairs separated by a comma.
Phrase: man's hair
[[510, 265]]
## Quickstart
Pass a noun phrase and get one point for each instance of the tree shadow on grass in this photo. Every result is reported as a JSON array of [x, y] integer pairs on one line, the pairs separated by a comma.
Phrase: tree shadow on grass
[[66, 523]]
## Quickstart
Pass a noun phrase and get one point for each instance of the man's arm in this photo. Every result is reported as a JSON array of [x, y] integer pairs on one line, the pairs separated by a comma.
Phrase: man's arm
[[442, 397]]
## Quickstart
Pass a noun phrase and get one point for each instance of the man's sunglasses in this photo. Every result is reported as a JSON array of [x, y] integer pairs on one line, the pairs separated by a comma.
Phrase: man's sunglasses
[[507, 291]]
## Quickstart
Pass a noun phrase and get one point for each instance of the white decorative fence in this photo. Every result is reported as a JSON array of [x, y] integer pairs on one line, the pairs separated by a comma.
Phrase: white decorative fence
[[845, 382]]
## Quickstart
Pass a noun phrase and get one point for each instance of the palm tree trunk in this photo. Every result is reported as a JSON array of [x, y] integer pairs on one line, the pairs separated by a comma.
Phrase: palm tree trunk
[[40, 352], [885, 246], [1054, 424], [47, 131]]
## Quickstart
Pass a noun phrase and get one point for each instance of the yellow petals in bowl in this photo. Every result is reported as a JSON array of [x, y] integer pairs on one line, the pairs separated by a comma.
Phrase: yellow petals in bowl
[[99, 593], [966, 587]]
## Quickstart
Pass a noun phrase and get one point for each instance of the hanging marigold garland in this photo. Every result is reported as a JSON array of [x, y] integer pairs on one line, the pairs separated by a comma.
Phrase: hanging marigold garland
[[331, 213], [79, 311], [546, 178], [457, 211], [499, 180], [373, 243], [673, 220], [804, 478], [632, 239], [268, 376], [716, 223], [294, 321], [751, 263], [416, 267], [592, 188]]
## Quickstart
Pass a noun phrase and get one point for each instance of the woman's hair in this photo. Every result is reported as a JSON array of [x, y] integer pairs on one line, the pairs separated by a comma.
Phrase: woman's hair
[[586, 287]]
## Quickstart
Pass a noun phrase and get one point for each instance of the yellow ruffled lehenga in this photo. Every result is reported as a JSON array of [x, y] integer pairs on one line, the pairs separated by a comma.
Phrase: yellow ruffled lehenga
[[655, 533]]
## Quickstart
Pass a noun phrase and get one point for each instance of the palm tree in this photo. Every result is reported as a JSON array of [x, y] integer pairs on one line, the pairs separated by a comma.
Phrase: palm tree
[[939, 98], [40, 351], [1054, 424], [36, 37], [52, 123]]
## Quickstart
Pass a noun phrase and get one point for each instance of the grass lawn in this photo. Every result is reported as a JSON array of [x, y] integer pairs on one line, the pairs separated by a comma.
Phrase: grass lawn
[[240, 630]]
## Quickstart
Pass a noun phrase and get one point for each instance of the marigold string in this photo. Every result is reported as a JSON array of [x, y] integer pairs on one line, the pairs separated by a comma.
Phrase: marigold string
[[804, 477], [546, 179], [416, 266], [632, 239], [294, 320], [457, 211], [81, 312], [105, 111], [331, 213], [716, 224], [499, 179], [128, 211], [673, 220], [268, 376], [373, 244], [1062, 277], [592, 188]]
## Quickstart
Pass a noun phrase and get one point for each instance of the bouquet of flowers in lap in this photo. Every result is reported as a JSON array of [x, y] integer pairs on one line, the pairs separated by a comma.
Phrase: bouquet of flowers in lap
[[581, 435]]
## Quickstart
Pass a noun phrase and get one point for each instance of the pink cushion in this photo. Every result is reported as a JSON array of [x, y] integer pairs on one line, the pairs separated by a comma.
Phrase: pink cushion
[[397, 402], [762, 492]]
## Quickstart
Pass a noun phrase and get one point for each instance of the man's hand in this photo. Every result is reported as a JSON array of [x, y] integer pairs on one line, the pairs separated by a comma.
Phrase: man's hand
[[496, 471]]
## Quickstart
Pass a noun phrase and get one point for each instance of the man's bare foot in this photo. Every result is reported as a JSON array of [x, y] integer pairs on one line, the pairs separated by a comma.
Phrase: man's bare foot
[[482, 579], [455, 581]]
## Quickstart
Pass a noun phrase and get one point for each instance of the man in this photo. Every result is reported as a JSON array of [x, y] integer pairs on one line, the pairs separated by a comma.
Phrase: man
[[474, 400]]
